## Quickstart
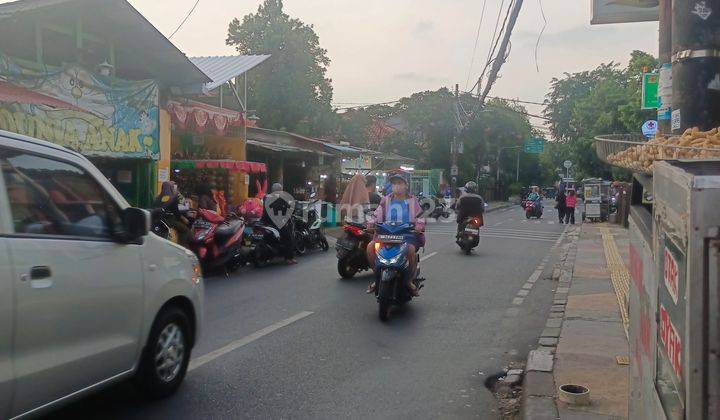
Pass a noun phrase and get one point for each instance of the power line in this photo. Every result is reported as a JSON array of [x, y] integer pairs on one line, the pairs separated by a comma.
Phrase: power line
[[537, 44], [184, 20], [477, 38]]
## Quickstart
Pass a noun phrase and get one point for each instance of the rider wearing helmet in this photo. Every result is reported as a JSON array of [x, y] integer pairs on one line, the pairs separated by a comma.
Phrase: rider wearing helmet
[[470, 204]]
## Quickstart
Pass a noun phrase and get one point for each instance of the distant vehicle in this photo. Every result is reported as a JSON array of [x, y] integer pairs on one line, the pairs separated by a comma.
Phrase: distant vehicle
[[88, 297]]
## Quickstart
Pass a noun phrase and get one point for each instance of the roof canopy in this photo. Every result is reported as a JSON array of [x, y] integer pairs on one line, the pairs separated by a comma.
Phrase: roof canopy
[[222, 69], [140, 50]]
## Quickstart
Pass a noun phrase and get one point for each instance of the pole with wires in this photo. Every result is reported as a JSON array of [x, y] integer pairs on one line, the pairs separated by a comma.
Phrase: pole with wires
[[502, 51], [454, 151]]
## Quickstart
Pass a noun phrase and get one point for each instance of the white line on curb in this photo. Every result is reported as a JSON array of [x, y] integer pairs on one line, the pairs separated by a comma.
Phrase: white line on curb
[[423, 258], [209, 357]]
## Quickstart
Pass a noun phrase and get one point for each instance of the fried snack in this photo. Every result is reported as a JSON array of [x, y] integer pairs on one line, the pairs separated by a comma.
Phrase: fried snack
[[704, 144]]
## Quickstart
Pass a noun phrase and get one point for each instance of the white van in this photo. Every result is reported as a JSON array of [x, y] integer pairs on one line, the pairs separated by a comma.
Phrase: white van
[[87, 296]]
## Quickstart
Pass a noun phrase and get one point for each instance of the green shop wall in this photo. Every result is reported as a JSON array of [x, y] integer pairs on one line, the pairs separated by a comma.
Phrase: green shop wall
[[134, 178]]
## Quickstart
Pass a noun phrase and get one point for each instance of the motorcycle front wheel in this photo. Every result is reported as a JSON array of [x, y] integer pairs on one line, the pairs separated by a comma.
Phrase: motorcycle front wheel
[[300, 247]]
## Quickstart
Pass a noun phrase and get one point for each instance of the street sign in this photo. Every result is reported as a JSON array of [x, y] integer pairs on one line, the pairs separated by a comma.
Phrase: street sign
[[567, 164], [453, 170], [650, 91], [534, 145], [649, 128]]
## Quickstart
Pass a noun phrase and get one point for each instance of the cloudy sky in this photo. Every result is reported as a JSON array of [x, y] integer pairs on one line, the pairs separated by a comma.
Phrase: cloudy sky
[[385, 49]]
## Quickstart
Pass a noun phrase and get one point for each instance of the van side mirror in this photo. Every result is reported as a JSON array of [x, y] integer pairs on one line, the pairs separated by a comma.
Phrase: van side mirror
[[135, 224]]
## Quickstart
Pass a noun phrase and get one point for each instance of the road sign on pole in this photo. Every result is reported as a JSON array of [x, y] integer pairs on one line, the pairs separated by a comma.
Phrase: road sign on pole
[[454, 170], [534, 145], [567, 164]]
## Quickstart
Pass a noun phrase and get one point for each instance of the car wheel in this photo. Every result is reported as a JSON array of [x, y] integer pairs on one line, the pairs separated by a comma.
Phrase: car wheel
[[166, 355]]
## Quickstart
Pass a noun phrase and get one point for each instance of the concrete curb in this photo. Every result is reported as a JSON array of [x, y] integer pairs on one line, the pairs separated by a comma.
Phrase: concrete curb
[[539, 390]]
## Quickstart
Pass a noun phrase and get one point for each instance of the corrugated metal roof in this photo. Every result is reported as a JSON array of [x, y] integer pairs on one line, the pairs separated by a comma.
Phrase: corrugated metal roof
[[223, 68]]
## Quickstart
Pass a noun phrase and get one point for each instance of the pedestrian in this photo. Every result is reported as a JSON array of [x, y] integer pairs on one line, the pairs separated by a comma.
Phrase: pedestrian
[[570, 203], [282, 203], [561, 206], [371, 185]]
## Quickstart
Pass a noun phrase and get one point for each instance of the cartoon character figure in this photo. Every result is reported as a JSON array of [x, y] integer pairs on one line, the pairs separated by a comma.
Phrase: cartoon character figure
[[147, 124]]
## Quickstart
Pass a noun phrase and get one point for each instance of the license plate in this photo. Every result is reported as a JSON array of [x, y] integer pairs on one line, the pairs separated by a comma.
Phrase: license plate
[[473, 231], [391, 239], [257, 235], [202, 224]]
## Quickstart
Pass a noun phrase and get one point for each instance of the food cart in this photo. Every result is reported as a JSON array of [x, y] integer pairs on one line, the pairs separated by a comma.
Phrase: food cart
[[673, 300], [596, 199]]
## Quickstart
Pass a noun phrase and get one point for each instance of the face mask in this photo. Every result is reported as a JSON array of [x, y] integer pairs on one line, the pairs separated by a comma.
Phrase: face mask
[[399, 188]]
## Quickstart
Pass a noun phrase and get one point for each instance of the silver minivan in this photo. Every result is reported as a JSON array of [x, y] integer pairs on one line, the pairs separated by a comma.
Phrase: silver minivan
[[87, 297]]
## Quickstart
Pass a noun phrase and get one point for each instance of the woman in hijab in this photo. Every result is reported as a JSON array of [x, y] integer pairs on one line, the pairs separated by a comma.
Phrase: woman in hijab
[[354, 198], [206, 199]]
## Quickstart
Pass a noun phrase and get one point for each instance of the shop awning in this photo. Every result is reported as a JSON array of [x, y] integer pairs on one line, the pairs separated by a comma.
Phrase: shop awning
[[234, 166], [225, 68], [281, 147], [199, 116]]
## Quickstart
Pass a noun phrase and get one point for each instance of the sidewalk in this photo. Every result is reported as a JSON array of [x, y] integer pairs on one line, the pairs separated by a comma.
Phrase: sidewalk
[[590, 345]]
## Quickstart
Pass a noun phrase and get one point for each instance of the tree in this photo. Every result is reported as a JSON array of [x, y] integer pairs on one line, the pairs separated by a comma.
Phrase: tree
[[583, 105], [292, 91]]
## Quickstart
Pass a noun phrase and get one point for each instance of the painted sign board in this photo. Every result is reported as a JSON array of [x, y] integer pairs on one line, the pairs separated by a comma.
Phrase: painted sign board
[[83, 111], [650, 82], [624, 11]]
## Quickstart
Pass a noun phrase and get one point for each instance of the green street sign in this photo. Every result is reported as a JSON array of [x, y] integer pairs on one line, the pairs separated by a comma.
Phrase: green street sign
[[649, 91], [534, 145]]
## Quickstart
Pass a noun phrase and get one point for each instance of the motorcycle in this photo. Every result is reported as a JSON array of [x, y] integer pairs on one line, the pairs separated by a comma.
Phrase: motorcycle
[[160, 224], [391, 267], [352, 250], [469, 236], [532, 209], [438, 210], [217, 241], [263, 243], [308, 229]]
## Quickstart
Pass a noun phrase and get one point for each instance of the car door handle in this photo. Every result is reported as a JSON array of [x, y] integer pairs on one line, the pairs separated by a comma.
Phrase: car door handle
[[40, 272]]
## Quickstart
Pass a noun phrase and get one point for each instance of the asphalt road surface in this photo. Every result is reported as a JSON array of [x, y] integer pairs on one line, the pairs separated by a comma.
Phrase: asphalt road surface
[[298, 342]]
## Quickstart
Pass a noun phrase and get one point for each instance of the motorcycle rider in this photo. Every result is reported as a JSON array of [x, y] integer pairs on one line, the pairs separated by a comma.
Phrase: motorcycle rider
[[169, 201], [470, 204], [535, 197], [399, 206]]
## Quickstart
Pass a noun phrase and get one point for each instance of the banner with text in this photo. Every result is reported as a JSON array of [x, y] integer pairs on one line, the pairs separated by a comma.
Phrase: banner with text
[[85, 112], [623, 11]]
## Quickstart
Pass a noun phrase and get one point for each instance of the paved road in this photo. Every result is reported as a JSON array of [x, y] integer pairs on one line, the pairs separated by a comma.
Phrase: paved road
[[298, 342]]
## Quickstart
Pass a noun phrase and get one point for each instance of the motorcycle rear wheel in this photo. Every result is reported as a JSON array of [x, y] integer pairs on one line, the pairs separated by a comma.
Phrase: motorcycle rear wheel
[[528, 215], [384, 292], [300, 247], [345, 268], [324, 245]]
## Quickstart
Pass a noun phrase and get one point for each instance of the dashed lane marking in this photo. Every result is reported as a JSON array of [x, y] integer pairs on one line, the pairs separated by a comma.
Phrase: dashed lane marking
[[518, 301], [234, 345], [425, 257]]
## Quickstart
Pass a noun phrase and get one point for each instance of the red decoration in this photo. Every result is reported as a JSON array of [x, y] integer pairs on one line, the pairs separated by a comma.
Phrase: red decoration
[[204, 116]]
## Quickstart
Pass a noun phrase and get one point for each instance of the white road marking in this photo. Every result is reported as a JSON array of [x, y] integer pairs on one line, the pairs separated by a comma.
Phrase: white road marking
[[527, 285], [523, 292], [518, 301], [535, 275], [209, 357], [524, 221], [552, 222], [425, 257], [516, 237]]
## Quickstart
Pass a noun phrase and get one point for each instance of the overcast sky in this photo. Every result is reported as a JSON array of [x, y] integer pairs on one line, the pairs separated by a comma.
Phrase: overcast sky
[[385, 49]]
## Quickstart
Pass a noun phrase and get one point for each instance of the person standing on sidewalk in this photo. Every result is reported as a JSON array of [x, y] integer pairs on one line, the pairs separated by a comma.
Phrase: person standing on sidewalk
[[561, 206], [570, 203]]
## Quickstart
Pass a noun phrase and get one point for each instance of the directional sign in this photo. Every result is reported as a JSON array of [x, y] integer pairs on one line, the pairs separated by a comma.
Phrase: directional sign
[[534, 145], [650, 83]]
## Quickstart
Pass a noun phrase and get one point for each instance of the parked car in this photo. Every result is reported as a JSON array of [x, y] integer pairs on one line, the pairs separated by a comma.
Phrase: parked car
[[87, 296]]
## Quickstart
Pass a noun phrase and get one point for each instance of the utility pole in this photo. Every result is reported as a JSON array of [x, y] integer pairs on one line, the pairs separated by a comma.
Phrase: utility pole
[[502, 52], [665, 53], [695, 64], [454, 167], [517, 167]]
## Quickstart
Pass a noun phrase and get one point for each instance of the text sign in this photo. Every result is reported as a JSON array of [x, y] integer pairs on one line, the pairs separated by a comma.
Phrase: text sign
[[609, 11], [534, 145], [671, 275], [671, 341], [650, 82]]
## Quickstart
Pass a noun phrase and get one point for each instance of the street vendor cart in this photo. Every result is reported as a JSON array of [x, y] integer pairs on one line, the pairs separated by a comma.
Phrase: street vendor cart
[[596, 199]]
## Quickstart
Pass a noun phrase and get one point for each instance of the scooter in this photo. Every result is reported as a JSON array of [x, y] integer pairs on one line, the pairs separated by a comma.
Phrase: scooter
[[264, 243], [308, 229], [469, 236], [352, 250], [392, 267], [217, 241], [532, 209]]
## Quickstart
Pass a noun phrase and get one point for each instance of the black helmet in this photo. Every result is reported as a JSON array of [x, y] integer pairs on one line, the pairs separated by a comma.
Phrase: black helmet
[[471, 187]]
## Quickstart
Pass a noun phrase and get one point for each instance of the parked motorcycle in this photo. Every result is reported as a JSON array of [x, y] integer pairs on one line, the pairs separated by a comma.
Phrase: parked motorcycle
[[352, 250], [160, 224], [263, 243], [217, 241], [308, 229], [532, 209], [391, 267], [469, 236], [439, 209]]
